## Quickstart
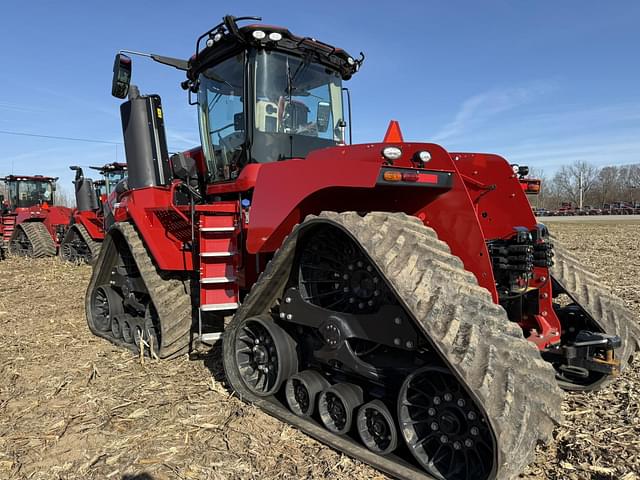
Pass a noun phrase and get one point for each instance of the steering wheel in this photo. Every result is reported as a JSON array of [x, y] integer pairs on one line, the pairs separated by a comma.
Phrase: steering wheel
[[232, 141]]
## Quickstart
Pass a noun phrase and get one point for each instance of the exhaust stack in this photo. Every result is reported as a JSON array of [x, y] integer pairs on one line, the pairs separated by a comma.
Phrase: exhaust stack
[[145, 141], [86, 198]]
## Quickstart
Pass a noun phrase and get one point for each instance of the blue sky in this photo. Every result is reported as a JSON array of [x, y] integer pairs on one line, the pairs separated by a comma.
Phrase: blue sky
[[541, 82]]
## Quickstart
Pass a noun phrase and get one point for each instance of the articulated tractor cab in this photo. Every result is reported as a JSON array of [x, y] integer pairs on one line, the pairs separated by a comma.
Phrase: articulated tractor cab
[[31, 225], [394, 300], [93, 212]]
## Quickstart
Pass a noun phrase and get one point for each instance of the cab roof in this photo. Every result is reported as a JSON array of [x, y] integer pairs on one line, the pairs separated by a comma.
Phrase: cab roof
[[33, 178], [228, 39]]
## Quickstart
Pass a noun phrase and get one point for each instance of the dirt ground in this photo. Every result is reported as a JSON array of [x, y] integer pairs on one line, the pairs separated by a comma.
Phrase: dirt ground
[[74, 407]]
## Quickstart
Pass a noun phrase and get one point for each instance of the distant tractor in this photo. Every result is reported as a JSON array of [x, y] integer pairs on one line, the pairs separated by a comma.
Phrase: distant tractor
[[81, 243], [31, 225]]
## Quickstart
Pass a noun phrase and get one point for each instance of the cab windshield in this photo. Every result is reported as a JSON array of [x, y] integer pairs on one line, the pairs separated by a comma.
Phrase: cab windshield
[[112, 179], [28, 193], [298, 106]]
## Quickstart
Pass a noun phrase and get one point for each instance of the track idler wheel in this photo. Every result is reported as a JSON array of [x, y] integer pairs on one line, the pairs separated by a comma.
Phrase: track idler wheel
[[445, 431], [336, 406], [105, 305], [265, 355], [302, 390], [376, 428]]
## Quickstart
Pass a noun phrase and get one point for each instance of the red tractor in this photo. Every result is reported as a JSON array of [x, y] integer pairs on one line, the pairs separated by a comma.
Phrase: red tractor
[[30, 223], [394, 300], [81, 243]]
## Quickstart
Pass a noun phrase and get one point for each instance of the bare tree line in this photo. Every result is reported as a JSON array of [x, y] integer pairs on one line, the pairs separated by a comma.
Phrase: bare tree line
[[64, 197], [600, 185]]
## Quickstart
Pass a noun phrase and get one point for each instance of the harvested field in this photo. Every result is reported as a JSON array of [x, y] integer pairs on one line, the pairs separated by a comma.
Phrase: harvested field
[[74, 407]]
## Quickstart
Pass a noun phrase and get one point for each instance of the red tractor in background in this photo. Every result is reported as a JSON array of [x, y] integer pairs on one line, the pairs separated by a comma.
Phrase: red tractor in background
[[31, 225], [394, 300], [94, 204]]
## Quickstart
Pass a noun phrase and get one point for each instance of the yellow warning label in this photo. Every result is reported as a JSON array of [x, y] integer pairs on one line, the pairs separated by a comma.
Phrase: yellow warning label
[[159, 112]]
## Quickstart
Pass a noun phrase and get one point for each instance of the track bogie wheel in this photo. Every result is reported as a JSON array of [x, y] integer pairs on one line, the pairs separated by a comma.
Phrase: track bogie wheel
[[116, 328], [138, 332], [336, 406], [302, 390], [127, 330], [149, 328], [377, 428], [265, 355]]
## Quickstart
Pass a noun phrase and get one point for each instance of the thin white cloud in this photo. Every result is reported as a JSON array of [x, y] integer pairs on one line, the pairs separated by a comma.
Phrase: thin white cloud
[[184, 138], [82, 102], [478, 109], [14, 107], [599, 151]]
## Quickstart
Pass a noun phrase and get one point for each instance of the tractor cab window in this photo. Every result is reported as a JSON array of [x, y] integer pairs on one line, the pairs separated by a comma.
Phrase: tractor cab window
[[100, 187], [28, 193], [298, 106], [221, 117], [112, 179]]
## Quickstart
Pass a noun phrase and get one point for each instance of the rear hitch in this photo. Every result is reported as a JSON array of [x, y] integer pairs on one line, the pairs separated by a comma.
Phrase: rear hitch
[[589, 352]]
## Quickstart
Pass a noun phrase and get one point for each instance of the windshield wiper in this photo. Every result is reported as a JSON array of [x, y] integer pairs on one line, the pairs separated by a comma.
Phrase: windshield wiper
[[216, 78], [304, 64]]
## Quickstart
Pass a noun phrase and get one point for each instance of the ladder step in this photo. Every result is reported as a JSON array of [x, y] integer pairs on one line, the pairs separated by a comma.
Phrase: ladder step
[[213, 307], [210, 337], [218, 280], [218, 254], [217, 229]]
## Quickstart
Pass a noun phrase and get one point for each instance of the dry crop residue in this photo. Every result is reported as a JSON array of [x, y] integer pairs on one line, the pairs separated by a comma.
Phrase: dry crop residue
[[74, 407]]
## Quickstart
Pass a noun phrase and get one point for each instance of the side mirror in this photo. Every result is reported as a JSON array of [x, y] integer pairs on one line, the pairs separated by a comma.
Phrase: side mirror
[[121, 76], [322, 116]]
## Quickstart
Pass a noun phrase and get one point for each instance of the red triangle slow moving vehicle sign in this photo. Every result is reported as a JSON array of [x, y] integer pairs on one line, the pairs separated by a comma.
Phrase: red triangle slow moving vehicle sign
[[394, 134]]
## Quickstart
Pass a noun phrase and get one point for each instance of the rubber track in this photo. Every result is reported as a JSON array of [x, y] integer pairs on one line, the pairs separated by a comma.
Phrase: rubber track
[[170, 296], [606, 309], [512, 384], [94, 247], [40, 239]]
